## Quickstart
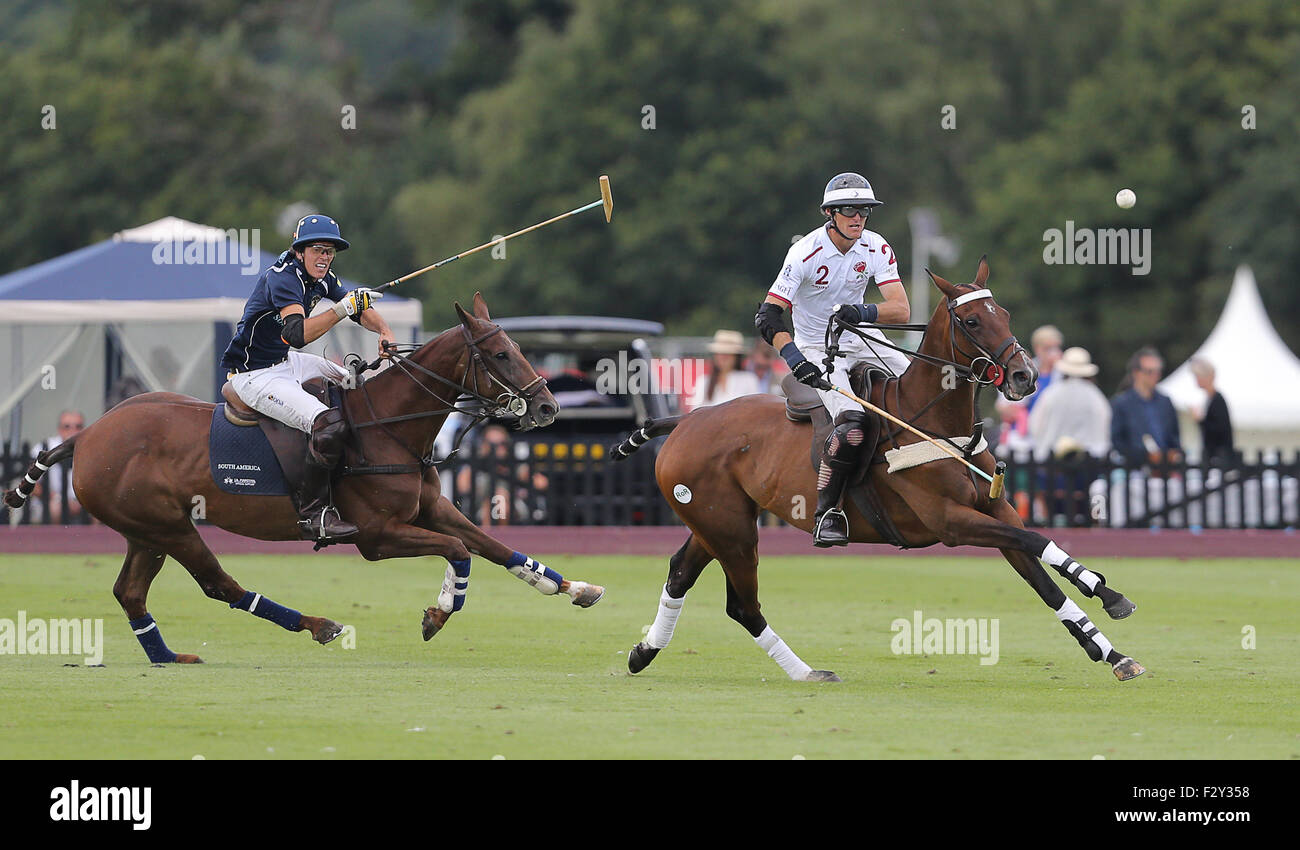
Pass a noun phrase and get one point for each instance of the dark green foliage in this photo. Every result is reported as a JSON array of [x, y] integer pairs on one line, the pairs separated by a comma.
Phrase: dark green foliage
[[718, 123]]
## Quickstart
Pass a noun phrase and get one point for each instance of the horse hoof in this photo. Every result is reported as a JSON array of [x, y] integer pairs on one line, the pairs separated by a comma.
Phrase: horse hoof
[[185, 658], [585, 595], [821, 676], [640, 657], [1126, 668], [1120, 608], [326, 631], [434, 620]]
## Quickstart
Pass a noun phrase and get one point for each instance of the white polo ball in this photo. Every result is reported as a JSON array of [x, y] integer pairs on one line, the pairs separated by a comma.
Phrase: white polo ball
[[1125, 198]]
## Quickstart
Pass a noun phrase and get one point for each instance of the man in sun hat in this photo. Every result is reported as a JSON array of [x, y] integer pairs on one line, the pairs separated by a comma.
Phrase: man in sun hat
[[1071, 407]]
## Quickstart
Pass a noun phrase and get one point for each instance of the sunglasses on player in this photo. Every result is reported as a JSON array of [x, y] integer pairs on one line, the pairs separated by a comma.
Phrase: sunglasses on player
[[853, 212]]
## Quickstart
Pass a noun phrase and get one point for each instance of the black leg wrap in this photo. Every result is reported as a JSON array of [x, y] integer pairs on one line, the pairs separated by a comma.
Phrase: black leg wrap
[[1070, 569], [1083, 632]]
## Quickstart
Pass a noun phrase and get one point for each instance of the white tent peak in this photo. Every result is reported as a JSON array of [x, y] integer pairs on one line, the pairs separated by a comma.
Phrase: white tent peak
[[1257, 374], [172, 229]]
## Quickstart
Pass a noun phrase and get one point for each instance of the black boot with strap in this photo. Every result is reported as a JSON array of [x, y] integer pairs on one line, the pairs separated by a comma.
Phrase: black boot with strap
[[839, 456], [319, 520]]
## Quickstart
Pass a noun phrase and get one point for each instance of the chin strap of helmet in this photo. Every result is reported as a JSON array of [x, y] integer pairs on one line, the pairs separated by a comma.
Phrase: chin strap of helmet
[[831, 220]]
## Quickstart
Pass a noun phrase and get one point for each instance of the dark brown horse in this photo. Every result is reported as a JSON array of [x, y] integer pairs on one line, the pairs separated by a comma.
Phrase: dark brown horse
[[143, 467], [722, 464]]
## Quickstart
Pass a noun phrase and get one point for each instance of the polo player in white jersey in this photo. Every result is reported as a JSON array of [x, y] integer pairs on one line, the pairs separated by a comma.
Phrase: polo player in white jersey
[[826, 273]]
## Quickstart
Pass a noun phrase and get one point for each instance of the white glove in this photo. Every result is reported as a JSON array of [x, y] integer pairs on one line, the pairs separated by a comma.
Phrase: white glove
[[357, 301]]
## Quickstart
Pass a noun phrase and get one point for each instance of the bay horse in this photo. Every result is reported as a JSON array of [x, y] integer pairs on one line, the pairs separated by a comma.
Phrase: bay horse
[[722, 464], [144, 465]]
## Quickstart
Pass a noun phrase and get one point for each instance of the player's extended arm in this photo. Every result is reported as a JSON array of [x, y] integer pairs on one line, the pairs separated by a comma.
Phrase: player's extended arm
[[770, 323], [371, 320]]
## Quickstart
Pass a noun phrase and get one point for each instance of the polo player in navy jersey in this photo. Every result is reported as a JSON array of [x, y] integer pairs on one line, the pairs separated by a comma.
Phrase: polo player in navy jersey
[[267, 371]]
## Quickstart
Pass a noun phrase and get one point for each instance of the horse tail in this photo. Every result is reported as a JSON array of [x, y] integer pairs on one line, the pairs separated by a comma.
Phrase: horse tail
[[18, 496], [643, 435]]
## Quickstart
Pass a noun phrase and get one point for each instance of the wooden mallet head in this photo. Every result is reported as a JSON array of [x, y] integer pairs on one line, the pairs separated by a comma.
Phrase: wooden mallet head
[[606, 197]]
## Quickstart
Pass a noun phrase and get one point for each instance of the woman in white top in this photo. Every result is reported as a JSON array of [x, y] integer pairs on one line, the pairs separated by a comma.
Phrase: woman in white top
[[726, 380]]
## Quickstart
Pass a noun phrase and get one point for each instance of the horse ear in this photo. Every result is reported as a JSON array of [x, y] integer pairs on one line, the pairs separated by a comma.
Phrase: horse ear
[[944, 286], [982, 274], [465, 318], [481, 308]]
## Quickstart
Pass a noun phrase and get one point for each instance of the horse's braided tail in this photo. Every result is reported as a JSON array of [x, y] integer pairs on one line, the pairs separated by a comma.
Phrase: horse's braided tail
[[18, 496], [643, 435]]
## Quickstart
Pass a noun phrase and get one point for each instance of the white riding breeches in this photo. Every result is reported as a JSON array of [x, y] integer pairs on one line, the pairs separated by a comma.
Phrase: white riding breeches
[[856, 351], [277, 392]]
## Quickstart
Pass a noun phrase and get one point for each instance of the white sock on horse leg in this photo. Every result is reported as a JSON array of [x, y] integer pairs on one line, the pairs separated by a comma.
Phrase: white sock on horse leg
[[1071, 613], [661, 631], [771, 643], [1056, 556]]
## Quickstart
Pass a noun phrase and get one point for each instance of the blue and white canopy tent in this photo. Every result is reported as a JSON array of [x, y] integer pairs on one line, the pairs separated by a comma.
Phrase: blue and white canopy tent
[[153, 308]]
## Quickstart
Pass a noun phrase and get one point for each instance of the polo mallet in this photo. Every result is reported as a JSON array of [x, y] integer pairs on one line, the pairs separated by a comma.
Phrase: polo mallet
[[606, 201], [995, 481]]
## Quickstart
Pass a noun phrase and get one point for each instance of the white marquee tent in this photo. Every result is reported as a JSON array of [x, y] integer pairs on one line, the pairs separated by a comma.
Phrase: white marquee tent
[[1257, 374], [153, 308]]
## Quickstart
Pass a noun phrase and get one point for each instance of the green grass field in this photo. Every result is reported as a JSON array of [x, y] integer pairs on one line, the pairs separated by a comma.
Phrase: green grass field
[[521, 676]]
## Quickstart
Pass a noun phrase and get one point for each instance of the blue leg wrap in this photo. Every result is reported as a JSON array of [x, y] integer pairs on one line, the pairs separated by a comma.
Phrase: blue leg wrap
[[146, 631], [462, 583], [259, 605]]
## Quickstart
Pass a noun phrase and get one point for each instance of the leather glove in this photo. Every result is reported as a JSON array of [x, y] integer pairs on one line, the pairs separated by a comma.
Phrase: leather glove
[[357, 301], [857, 314], [805, 372]]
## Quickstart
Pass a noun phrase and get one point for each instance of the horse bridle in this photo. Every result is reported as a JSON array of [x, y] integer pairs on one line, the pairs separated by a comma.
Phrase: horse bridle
[[513, 401], [996, 371]]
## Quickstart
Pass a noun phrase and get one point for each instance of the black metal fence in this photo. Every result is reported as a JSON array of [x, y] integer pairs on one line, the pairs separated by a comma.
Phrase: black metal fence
[[1095, 492], [573, 483]]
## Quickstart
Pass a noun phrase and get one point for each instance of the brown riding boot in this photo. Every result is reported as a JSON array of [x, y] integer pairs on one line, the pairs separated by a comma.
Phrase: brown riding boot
[[839, 456], [319, 520]]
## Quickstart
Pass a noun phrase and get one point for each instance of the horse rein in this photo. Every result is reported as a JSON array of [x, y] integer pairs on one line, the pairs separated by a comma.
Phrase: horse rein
[[994, 373]]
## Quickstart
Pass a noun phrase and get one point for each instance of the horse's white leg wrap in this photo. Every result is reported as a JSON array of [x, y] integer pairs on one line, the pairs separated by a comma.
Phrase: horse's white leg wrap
[[771, 643], [661, 631], [1082, 628], [455, 584], [1069, 567], [537, 574]]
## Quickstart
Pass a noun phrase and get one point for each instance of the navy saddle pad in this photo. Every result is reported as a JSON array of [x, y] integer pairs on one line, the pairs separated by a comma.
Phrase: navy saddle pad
[[242, 459]]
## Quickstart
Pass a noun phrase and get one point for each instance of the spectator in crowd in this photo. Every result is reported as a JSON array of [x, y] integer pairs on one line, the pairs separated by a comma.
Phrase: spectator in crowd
[[500, 486], [59, 479], [1046, 343], [1013, 434], [1216, 424], [726, 379], [1143, 425], [1072, 411], [763, 362]]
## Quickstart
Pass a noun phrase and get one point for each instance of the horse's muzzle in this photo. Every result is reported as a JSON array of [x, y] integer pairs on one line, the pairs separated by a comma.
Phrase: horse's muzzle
[[1019, 384], [541, 412]]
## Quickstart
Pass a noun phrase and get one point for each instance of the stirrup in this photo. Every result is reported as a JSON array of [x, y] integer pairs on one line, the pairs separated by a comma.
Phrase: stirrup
[[314, 527], [839, 535]]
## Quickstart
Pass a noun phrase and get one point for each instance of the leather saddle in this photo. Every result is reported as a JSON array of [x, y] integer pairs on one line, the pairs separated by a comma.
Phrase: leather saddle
[[288, 443], [804, 405]]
